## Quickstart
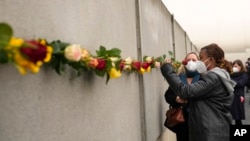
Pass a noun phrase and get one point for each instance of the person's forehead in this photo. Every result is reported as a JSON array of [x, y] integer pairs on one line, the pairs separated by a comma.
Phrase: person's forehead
[[191, 56], [236, 65]]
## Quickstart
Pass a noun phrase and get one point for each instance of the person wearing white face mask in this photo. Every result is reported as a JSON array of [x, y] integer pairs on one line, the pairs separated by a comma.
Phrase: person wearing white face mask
[[240, 76], [188, 74], [210, 97]]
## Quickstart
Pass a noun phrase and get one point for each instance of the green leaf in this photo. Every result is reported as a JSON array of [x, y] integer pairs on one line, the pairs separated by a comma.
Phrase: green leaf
[[101, 51], [107, 79], [5, 34], [114, 52], [3, 57], [164, 56], [58, 46], [58, 63], [170, 53], [100, 73]]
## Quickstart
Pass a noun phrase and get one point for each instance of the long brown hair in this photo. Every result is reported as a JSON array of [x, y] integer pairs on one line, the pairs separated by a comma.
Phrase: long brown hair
[[239, 62], [213, 50]]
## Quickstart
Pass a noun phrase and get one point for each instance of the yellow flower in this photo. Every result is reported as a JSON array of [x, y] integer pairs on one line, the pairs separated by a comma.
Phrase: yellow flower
[[22, 64], [16, 42], [114, 73], [34, 68], [48, 54], [85, 54], [142, 70], [148, 69]]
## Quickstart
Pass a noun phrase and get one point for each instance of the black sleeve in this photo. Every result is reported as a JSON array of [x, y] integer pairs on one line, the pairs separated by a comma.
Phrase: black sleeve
[[197, 90], [170, 97]]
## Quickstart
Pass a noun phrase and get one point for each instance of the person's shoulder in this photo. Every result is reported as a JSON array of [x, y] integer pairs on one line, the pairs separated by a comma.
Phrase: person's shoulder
[[212, 74], [244, 74]]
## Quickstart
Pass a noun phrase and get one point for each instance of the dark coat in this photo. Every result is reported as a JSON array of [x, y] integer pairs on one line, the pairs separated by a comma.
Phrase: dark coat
[[181, 130], [210, 103], [238, 109]]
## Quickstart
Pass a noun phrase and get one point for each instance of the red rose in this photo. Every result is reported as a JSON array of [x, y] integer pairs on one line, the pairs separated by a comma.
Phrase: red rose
[[101, 64], [145, 65], [136, 65], [122, 65], [184, 62], [34, 51]]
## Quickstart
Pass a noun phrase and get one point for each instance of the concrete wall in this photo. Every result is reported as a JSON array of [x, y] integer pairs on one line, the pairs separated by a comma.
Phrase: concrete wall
[[180, 41], [49, 107], [156, 40], [238, 55]]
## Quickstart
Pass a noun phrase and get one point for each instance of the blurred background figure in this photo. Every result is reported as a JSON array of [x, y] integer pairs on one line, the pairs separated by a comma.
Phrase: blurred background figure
[[240, 76], [247, 65]]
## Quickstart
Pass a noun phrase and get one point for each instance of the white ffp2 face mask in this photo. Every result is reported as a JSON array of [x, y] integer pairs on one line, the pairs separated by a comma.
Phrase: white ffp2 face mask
[[235, 69], [191, 66], [201, 67]]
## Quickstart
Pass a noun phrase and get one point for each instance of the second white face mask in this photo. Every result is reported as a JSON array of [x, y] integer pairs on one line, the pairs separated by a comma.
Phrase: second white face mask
[[201, 67], [235, 69]]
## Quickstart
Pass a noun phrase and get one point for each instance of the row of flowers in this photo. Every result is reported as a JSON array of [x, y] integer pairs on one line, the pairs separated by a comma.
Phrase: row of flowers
[[30, 55]]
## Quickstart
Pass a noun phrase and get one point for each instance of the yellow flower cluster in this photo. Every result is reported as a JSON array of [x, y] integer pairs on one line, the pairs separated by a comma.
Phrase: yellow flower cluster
[[21, 60]]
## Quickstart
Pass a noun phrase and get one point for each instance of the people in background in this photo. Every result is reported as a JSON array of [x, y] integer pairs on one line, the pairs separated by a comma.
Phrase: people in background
[[247, 66], [210, 98], [240, 76], [188, 74]]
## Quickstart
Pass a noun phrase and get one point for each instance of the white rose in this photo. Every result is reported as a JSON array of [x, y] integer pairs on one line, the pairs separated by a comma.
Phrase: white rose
[[73, 52]]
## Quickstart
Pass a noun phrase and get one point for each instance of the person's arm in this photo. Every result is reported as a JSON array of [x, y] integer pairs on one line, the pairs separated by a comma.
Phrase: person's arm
[[197, 90], [242, 82], [170, 97]]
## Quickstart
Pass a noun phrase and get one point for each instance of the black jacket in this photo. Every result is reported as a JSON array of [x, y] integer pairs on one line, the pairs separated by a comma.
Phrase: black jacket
[[238, 109], [210, 102]]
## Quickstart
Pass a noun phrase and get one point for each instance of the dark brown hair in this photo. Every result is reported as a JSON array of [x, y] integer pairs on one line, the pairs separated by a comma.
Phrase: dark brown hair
[[213, 50], [239, 62]]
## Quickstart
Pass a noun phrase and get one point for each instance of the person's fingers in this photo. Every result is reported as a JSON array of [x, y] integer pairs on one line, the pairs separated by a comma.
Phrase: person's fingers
[[242, 99], [168, 60]]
